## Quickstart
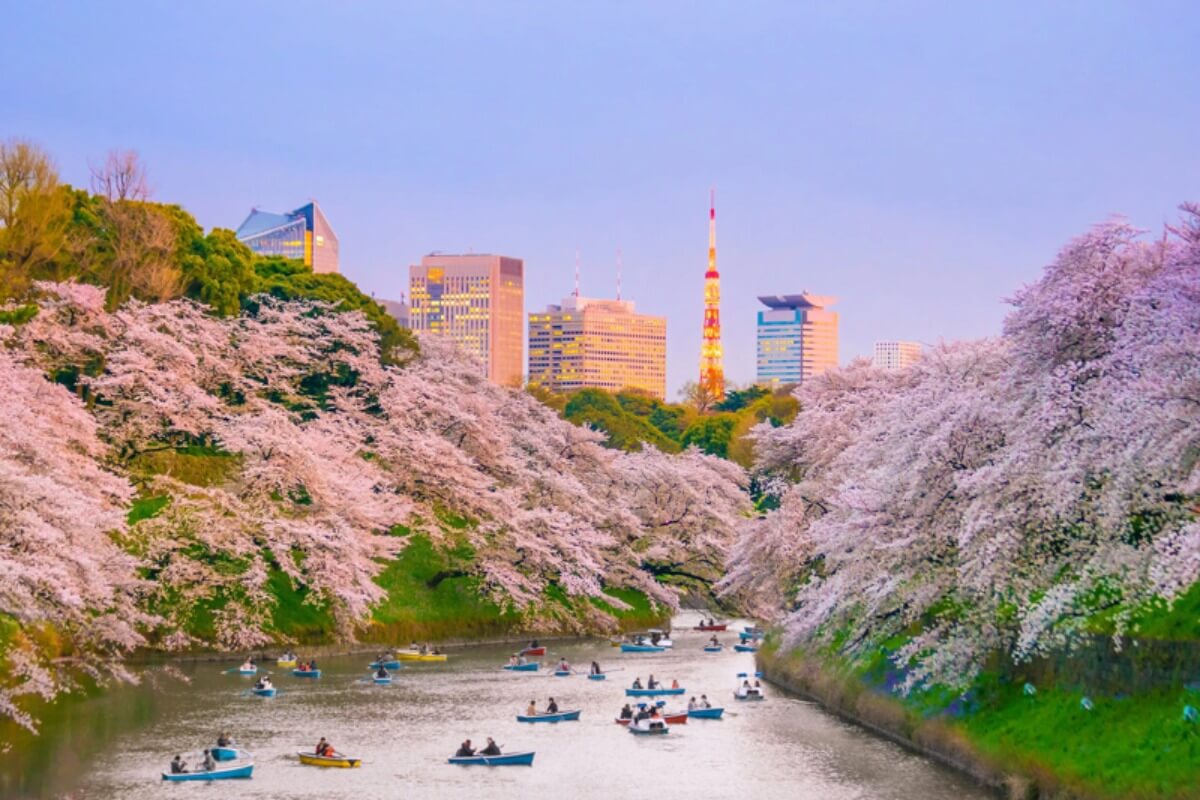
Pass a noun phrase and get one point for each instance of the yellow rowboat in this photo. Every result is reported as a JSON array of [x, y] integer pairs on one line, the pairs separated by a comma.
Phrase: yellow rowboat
[[336, 760], [420, 657], [283, 662]]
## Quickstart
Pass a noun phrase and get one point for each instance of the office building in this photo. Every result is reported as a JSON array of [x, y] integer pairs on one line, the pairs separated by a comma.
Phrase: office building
[[398, 309], [797, 338], [606, 344], [477, 301], [896, 355], [304, 234]]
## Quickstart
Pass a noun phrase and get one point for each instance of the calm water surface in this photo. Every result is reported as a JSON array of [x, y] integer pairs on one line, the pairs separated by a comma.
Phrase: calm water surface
[[118, 744]]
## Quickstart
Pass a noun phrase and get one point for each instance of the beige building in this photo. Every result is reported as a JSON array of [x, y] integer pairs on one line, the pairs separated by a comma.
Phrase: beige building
[[478, 301], [896, 355], [797, 338], [603, 344]]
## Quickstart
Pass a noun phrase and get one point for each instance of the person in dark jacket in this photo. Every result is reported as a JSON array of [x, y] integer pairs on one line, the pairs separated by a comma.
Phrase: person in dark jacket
[[552, 707], [627, 712], [465, 750], [492, 748], [178, 765]]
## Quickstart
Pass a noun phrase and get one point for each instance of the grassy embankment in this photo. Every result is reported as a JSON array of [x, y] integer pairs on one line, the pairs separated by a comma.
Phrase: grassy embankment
[[1128, 745], [431, 594]]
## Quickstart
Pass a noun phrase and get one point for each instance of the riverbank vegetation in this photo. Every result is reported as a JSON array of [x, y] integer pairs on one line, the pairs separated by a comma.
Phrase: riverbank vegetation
[[1002, 502], [205, 449]]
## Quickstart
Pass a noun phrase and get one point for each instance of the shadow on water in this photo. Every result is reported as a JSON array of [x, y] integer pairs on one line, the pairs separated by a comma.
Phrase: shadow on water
[[116, 743]]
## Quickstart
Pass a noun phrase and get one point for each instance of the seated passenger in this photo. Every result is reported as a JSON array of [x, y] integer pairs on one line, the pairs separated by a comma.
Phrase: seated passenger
[[552, 707], [492, 748], [465, 750], [692, 704], [209, 763], [178, 765], [627, 712], [637, 683]]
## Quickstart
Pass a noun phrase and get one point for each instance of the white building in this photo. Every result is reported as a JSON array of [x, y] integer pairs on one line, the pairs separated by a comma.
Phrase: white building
[[896, 355]]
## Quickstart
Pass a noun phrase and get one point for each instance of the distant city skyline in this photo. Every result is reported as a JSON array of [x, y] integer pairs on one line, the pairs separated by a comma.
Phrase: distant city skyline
[[920, 162]]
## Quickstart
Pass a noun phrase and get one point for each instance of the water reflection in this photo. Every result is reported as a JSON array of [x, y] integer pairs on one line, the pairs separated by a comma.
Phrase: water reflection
[[116, 745]]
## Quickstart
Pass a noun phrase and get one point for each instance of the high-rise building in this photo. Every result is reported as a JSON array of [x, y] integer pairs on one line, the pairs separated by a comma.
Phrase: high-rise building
[[896, 355], [304, 234], [398, 309], [606, 344], [797, 338], [478, 301], [712, 369]]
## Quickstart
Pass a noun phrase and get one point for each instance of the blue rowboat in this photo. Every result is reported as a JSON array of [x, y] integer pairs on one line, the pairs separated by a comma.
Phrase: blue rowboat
[[383, 681], [252, 671], [270, 692], [627, 647], [745, 648], [597, 676], [562, 673], [561, 716], [307, 673], [652, 692], [240, 771], [385, 665], [658, 728], [532, 666], [713, 648], [706, 713], [745, 636], [505, 760], [224, 753]]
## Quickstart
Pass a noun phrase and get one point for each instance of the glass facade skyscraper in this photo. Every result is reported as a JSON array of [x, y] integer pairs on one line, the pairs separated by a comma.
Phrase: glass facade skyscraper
[[797, 338], [304, 234]]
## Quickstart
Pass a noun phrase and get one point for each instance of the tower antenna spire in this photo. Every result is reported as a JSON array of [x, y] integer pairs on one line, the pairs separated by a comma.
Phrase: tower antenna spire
[[618, 273]]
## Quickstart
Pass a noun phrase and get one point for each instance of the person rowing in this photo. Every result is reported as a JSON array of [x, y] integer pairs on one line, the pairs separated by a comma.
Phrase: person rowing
[[692, 704], [209, 762], [714, 641], [674, 683], [651, 683], [263, 683], [224, 740], [552, 707], [627, 712], [492, 748], [178, 765], [465, 750], [382, 672], [637, 683], [247, 666], [324, 748], [641, 714], [564, 666], [532, 710], [704, 701], [596, 668]]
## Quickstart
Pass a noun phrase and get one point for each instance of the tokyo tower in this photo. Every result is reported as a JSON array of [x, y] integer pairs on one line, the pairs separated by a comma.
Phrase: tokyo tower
[[712, 371]]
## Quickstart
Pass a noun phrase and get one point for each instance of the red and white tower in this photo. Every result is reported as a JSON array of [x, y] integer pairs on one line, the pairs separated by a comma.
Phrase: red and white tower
[[712, 370]]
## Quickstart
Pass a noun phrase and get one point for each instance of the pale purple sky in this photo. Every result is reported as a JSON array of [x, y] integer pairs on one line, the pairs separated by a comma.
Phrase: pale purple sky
[[918, 160]]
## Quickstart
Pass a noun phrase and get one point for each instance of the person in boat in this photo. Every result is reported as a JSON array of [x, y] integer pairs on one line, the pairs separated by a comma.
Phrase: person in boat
[[651, 683], [674, 683], [532, 710], [637, 683], [178, 765], [247, 665], [714, 642], [564, 666], [704, 701], [327, 750], [413, 645], [512, 660], [552, 707], [745, 684], [264, 683], [312, 665], [492, 748], [596, 668], [522, 660], [641, 714], [653, 712], [224, 740], [627, 712], [209, 762], [381, 672], [424, 649], [692, 704], [465, 750], [533, 645]]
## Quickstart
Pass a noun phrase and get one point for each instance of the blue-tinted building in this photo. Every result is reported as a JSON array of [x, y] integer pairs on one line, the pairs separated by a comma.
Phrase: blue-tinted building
[[797, 338], [304, 234]]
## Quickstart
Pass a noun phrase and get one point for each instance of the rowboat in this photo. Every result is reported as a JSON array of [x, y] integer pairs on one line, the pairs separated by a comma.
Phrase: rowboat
[[597, 676], [235, 771], [307, 673], [562, 673], [285, 662], [711, 628], [679, 718], [653, 692], [393, 664], [532, 666], [753, 693], [267, 692], [713, 648], [505, 760], [649, 727], [335, 760], [224, 753], [421, 656], [251, 671], [706, 713], [745, 648], [560, 716], [749, 636], [382, 681], [534, 651], [628, 647]]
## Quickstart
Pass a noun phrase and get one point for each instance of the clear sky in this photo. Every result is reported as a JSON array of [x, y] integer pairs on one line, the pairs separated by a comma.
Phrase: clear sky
[[920, 161]]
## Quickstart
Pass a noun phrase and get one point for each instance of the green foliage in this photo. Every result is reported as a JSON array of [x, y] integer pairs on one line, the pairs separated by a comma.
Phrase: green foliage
[[737, 399], [18, 315], [295, 614], [711, 433], [195, 466], [146, 508], [626, 430]]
